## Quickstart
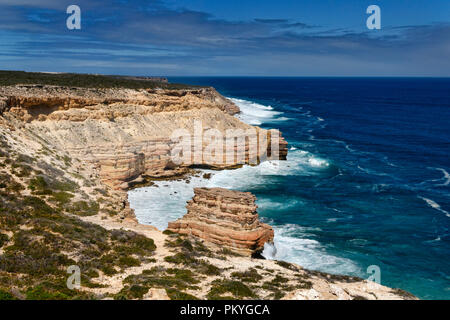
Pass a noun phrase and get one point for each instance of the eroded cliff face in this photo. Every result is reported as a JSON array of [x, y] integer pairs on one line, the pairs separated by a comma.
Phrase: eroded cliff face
[[32, 102], [129, 134], [60, 146], [225, 218]]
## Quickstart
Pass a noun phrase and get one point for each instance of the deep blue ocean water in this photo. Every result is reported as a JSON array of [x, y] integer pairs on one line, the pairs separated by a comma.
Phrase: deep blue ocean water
[[367, 178]]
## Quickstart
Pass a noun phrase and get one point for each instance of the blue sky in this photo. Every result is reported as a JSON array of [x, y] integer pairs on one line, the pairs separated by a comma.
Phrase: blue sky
[[226, 38]]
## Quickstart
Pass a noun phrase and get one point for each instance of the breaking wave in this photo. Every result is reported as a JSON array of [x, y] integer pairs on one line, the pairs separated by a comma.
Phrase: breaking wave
[[293, 243], [256, 114]]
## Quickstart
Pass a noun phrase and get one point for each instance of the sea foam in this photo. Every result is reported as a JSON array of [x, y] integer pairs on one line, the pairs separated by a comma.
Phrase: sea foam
[[256, 114], [445, 178], [435, 205], [292, 243]]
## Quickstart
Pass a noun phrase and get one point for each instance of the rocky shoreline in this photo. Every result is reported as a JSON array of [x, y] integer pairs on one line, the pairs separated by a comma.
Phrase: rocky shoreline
[[69, 155]]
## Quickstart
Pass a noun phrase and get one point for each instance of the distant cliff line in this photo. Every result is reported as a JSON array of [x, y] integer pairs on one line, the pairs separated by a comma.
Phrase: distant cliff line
[[10, 78]]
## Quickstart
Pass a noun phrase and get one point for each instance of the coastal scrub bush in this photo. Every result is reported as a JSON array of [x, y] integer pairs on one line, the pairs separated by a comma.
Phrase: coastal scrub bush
[[62, 197], [23, 158], [251, 275], [14, 187], [159, 277], [180, 258], [24, 170], [188, 259], [39, 293], [38, 184], [183, 275], [128, 261], [83, 208], [134, 243], [5, 295], [236, 288], [179, 243], [286, 265], [64, 185], [228, 252], [179, 295], [131, 292], [3, 239]]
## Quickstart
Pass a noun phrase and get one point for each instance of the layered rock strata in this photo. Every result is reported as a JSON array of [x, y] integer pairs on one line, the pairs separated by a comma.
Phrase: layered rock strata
[[225, 218], [32, 102], [130, 135]]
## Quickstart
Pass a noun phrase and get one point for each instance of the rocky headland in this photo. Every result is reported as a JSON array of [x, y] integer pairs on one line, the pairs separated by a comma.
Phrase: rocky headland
[[72, 145], [126, 133]]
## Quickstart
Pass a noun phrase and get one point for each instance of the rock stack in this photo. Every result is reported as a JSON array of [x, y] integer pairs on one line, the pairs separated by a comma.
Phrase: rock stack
[[225, 218]]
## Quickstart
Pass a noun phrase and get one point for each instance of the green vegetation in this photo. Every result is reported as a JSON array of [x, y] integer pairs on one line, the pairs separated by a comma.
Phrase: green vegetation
[[5, 295], [172, 279], [45, 185], [236, 288], [9, 78], [286, 265], [228, 252], [187, 253], [195, 247], [3, 239], [45, 240], [251, 275], [41, 293], [279, 285], [174, 294], [62, 197], [187, 259], [131, 292], [83, 208]]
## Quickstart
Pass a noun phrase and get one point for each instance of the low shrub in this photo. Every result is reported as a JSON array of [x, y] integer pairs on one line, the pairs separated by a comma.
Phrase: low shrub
[[236, 288]]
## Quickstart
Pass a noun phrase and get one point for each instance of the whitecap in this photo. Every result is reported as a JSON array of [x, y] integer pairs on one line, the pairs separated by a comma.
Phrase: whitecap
[[435, 205], [293, 243], [256, 114], [372, 172], [446, 177], [317, 162]]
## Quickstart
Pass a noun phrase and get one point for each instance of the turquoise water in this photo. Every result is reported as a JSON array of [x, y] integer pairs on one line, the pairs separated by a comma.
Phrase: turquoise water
[[366, 181]]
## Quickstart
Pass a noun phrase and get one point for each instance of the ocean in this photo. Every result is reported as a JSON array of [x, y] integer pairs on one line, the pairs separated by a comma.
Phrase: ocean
[[366, 181]]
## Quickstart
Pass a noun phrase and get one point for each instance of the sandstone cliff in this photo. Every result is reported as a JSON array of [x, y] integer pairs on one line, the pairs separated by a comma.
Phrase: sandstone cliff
[[127, 133], [225, 218]]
